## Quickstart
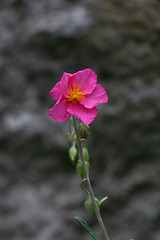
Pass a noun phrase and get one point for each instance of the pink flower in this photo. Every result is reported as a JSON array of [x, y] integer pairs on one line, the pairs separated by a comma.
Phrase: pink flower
[[77, 94]]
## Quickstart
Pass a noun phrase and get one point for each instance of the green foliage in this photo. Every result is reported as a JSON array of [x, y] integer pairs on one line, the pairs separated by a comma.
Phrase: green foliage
[[102, 200], [87, 228]]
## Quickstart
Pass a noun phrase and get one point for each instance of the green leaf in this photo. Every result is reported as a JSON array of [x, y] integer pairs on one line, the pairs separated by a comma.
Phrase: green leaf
[[102, 200], [87, 228]]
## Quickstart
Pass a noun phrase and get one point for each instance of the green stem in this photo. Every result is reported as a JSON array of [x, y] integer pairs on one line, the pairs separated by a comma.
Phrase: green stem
[[98, 215]]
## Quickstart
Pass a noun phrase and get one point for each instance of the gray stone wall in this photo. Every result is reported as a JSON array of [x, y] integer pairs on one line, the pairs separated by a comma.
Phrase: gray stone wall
[[40, 192]]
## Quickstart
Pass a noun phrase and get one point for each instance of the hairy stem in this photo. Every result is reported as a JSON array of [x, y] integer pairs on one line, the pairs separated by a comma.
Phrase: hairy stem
[[90, 190]]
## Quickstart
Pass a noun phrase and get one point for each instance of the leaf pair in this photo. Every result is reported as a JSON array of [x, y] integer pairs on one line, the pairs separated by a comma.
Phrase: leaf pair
[[87, 228]]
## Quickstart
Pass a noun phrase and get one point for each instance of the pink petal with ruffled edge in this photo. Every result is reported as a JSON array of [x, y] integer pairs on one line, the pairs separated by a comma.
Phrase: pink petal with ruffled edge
[[85, 115], [59, 111], [98, 96], [61, 87], [87, 79]]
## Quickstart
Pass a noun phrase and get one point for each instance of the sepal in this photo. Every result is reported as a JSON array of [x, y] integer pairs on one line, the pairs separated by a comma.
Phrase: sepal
[[83, 131], [86, 155], [89, 205], [73, 154], [80, 169]]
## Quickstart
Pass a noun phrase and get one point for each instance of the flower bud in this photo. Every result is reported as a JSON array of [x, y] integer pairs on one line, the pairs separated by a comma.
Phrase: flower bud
[[86, 155], [70, 139], [73, 153], [90, 207], [80, 169], [83, 131]]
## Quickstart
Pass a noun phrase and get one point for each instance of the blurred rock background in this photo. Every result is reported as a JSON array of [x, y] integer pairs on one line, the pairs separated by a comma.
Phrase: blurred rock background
[[40, 193]]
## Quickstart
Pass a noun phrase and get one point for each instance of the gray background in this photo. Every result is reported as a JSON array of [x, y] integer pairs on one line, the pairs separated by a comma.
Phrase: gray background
[[40, 192]]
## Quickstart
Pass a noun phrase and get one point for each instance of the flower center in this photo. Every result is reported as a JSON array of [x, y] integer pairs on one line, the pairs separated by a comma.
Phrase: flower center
[[74, 93]]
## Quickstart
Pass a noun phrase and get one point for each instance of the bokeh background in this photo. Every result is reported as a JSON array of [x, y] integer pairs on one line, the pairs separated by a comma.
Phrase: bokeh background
[[40, 192]]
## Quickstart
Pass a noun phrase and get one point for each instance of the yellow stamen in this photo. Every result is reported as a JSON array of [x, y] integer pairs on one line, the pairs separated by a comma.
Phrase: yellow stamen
[[74, 93]]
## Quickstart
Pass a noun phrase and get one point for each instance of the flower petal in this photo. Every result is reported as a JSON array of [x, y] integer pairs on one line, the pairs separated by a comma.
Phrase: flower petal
[[59, 111], [98, 96], [87, 79], [61, 87], [85, 115]]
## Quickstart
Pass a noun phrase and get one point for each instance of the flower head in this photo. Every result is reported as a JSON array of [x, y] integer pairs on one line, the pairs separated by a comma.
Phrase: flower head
[[77, 94]]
